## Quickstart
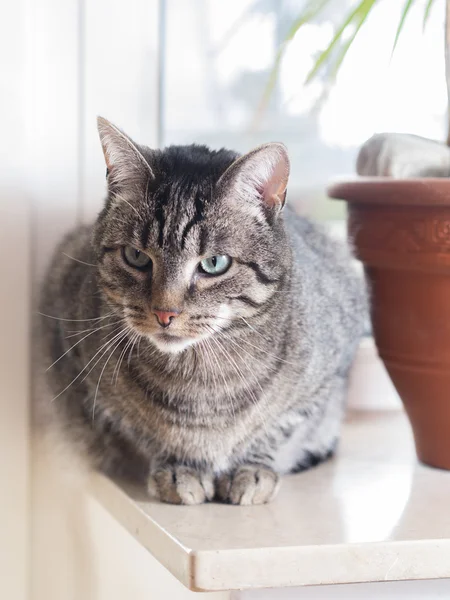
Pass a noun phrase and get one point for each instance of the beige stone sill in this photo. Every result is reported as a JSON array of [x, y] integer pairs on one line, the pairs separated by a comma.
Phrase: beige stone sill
[[371, 514]]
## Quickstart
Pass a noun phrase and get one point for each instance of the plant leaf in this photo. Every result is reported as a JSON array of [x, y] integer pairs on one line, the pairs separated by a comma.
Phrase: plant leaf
[[406, 9], [356, 17], [234, 28], [427, 12], [346, 47], [361, 12], [311, 10]]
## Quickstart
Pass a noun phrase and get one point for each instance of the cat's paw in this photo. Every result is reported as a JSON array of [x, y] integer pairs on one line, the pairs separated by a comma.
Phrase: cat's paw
[[178, 484], [249, 484]]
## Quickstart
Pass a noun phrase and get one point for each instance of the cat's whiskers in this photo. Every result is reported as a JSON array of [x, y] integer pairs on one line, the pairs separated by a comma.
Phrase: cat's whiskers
[[236, 345], [238, 371], [208, 353], [82, 262], [254, 358], [253, 329], [101, 374], [135, 339], [121, 198], [75, 320], [208, 372], [92, 329], [265, 351], [221, 334], [260, 362], [246, 387], [200, 362], [225, 383], [196, 358], [71, 348], [116, 370], [105, 347], [115, 334]]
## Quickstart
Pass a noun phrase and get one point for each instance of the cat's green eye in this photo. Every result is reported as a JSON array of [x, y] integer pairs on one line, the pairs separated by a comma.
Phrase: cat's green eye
[[215, 265], [135, 258]]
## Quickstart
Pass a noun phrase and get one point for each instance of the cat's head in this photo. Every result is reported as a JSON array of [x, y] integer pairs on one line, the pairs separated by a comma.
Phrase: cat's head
[[190, 241]]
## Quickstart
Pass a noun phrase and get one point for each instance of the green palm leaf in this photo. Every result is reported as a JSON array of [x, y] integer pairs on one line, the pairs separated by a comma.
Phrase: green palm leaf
[[358, 17], [427, 12], [311, 10], [406, 9], [346, 47], [355, 20]]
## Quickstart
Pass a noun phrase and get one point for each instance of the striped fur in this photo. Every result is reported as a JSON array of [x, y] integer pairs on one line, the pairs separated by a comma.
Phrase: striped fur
[[255, 385]]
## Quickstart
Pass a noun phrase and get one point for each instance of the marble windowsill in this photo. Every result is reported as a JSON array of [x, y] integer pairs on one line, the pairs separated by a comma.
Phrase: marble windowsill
[[370, 514]]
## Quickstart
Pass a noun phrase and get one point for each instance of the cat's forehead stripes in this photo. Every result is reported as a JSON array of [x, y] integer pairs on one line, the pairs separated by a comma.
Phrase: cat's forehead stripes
[[160, 219], [195, 220], [177, 212], [145, 233]]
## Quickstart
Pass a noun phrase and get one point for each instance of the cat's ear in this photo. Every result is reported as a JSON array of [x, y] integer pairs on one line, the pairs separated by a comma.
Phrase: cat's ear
[[261, 176], [125, 162]]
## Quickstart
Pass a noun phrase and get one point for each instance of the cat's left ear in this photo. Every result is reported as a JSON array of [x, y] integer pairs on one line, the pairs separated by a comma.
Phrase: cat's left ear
[[125, 161], [261, 176]]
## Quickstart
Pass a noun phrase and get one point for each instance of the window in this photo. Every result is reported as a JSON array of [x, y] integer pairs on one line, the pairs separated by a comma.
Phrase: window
[[217, 57]]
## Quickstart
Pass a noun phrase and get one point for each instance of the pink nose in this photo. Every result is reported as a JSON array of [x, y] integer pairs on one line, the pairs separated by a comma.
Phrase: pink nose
[[165, 317]]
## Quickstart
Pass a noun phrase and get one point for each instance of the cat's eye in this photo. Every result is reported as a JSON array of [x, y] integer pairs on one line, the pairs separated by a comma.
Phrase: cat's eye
[[136, 259], [215, 265]]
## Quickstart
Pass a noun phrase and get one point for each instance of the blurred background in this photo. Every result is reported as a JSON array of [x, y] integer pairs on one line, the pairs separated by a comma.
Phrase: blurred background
[[183, 71], [179, 71], [216, 58], [173, 71]]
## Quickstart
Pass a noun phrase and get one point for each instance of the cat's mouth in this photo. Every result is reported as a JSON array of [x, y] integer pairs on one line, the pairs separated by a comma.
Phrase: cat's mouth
[[170, 338], [169, 342]]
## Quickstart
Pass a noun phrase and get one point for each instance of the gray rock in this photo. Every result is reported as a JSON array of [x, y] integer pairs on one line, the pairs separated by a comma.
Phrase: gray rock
[[403, 156]]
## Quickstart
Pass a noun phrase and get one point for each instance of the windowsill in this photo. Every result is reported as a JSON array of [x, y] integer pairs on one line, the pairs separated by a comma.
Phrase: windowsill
[[371, 514]]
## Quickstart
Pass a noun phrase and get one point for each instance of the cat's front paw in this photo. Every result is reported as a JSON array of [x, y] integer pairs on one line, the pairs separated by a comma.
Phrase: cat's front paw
[[249, 484], [178, 484]]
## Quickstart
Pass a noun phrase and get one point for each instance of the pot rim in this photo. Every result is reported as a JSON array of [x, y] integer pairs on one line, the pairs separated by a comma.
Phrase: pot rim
[[432, 191]]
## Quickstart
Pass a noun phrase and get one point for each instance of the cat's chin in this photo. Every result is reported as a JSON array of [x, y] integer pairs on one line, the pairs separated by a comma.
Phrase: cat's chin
[[171, 344]]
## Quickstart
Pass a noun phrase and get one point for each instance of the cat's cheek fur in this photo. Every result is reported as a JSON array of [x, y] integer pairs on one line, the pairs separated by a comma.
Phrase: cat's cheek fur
[[223, 317]]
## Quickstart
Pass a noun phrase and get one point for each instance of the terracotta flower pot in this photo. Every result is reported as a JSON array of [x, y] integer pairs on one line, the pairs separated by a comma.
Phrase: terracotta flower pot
[[401, 232]]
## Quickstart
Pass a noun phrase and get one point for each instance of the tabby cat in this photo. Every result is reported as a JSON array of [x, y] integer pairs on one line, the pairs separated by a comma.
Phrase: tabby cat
[[200, 332]]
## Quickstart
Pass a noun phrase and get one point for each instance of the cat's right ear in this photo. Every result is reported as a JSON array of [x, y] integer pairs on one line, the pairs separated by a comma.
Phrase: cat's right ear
[[259, 178], [125, 162]]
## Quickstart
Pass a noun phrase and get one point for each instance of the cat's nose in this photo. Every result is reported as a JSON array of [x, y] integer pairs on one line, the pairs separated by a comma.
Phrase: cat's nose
[[165, 317]]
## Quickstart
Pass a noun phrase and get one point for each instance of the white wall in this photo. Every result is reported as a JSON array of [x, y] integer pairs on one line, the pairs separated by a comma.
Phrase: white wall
[[14, 305], [87, 58], [80, 59]]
